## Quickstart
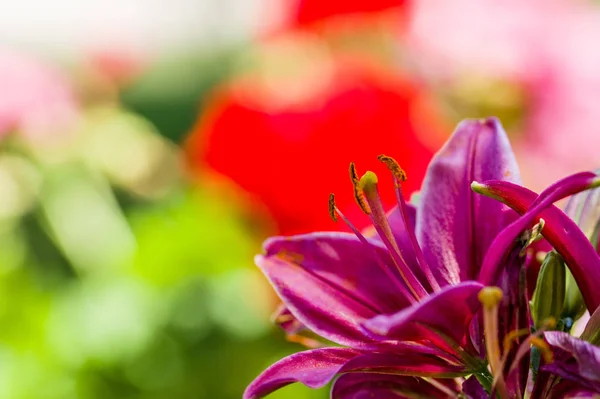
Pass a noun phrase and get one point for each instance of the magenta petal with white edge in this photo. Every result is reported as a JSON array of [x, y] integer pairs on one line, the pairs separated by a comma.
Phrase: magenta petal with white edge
[[381, 386], [454, 225], [321, 307], [311, 294], [314, 368], [449, 311], [408, 361], [341, 260]]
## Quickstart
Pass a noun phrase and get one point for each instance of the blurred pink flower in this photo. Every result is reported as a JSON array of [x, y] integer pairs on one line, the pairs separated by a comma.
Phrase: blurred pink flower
[[547, 47], [35, 98]]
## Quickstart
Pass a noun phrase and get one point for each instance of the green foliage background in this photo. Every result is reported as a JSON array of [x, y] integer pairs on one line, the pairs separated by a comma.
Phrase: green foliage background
[[122, 285]]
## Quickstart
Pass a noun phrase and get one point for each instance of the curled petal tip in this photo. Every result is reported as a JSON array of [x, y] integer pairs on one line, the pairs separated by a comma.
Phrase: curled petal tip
[[478, 187], [483, 189]]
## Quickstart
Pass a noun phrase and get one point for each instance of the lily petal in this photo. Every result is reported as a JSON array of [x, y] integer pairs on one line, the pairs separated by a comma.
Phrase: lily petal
[[368, 386], [454, 225], [330, 282], [569, 390], [584, 368], [314, 368], [344, 262], [322, 308], [549, 385], [407, 361], [560, 231], [449, 311], [473, 389]]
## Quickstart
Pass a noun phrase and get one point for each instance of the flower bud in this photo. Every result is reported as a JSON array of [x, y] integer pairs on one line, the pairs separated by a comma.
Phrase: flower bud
[[574, 306], [549, 295]]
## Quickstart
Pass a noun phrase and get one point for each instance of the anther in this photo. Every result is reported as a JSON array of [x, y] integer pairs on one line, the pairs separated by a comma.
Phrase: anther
[[332, 213], [393, 166], [359, 194], [367, 197], [353, 174], [399, 177]]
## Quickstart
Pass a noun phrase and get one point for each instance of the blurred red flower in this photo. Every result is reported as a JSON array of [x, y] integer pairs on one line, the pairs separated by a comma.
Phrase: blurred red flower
[[307, 12], [287, 140]]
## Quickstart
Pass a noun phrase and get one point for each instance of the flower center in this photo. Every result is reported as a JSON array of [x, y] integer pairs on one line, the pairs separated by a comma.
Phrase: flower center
[[368, 199]]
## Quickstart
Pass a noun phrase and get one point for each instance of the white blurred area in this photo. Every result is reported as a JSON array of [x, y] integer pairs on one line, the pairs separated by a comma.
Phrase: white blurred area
[[139, 27]]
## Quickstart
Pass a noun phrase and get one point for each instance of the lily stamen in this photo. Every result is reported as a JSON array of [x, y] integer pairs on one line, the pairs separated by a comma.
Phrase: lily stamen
[[399, 177], [367, 187], [335, 212], [359, 194], [490, 298], [523, 349]]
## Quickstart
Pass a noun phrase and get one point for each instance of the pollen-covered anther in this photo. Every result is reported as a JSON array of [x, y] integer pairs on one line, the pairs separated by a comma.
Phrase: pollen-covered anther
[[393, 166], [490, 297], [353, 174], [359, 193], [332, 213]]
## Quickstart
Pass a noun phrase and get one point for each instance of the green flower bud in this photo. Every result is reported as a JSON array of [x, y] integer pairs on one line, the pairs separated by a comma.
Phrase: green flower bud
[[574, 306], [549, 295]]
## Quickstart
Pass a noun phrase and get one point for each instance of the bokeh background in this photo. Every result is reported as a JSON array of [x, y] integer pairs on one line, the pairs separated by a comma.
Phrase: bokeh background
[[147, 147]]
